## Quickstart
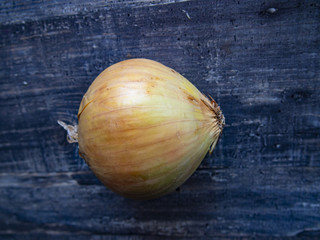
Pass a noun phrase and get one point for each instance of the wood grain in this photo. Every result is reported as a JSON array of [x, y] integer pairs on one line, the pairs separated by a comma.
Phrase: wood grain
[[263, 179]]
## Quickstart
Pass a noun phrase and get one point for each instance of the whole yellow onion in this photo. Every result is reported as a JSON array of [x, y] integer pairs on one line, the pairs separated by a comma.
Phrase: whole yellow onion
[[144, 128]]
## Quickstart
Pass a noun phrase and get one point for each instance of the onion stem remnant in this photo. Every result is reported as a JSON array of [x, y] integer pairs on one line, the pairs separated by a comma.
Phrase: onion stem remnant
[[72, 131]]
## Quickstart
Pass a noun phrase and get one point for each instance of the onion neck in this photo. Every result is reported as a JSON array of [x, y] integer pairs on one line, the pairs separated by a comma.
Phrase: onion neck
[[72, 131]]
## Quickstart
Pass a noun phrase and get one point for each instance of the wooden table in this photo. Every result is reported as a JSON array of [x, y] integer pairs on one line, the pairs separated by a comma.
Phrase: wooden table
[[258, 59]]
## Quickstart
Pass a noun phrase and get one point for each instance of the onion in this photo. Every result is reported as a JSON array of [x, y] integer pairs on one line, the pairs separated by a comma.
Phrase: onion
[[144, 129]]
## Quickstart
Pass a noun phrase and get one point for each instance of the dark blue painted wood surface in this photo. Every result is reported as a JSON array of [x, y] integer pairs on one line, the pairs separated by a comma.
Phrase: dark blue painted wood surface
[[258, 59]]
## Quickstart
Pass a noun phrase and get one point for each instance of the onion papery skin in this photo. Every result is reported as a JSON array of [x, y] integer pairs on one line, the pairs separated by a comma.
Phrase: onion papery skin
[[144, 128]]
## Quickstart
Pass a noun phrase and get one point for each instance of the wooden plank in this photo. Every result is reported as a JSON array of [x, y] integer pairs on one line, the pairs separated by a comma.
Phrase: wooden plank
[[22, 11], [210, 204], [263, 69]]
